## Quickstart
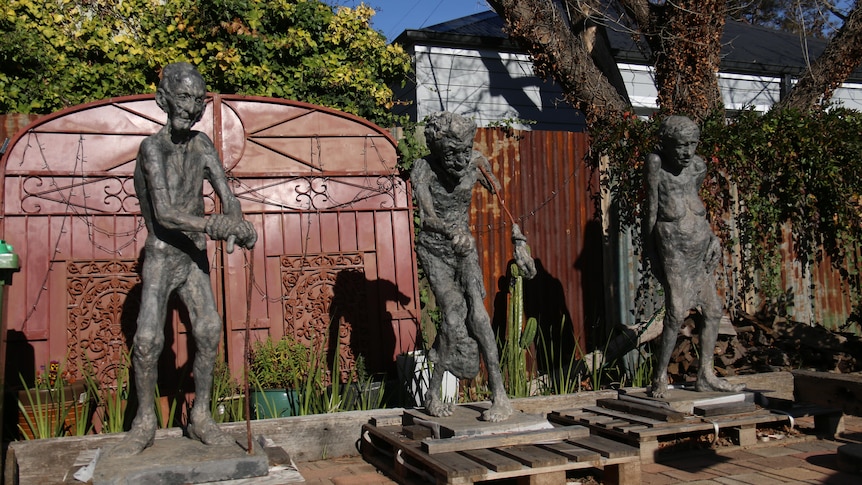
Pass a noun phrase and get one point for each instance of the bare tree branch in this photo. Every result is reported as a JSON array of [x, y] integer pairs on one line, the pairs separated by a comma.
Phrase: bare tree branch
[[841, 56], [543, 29]]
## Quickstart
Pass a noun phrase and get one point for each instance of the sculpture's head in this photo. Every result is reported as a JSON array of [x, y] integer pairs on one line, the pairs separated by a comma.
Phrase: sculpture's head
[[450, 138], [679, 136], [181, 95]]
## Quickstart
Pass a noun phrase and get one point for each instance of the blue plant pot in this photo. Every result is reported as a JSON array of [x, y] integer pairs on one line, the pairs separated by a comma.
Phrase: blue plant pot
[[274, 403]]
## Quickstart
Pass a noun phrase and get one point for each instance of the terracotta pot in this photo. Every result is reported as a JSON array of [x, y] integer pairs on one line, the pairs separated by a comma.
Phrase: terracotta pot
[[43, 405]]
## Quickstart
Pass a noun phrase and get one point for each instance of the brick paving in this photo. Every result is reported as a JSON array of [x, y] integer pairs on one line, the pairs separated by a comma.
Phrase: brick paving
[[812, 461]]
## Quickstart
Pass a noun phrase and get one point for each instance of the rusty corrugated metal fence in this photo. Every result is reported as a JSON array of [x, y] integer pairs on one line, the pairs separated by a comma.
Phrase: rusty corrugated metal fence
[[548, 188]]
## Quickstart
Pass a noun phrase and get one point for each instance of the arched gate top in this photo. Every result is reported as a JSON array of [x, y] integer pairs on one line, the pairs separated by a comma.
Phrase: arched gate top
[[256, 137]]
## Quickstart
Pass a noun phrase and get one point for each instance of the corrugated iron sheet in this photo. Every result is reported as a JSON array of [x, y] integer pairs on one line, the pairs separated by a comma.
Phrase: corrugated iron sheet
[[548, 189]]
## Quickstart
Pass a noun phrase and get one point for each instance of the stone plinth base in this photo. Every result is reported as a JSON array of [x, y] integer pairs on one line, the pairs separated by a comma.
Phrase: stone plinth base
[[181, 460]]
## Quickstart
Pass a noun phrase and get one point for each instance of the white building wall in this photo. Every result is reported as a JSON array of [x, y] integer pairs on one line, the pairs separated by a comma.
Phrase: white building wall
[[740, 91], [493, 88], [499, 88], [849, 96]]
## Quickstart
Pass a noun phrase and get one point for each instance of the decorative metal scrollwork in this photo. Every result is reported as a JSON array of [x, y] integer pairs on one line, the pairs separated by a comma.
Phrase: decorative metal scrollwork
[[321, 291], [99, 315]]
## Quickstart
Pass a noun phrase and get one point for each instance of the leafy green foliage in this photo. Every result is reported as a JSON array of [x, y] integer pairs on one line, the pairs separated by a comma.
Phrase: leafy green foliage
[[278, 364], [60, 53], [779, 171]]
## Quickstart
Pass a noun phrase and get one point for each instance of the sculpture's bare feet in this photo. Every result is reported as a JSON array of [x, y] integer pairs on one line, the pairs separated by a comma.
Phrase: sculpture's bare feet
[[709, 382], [659, 387], [500, 410], [139, 438], [204, 429], [436, 406]]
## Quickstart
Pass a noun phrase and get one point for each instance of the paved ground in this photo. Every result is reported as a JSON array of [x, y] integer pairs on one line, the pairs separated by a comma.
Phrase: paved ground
[[811, 461]]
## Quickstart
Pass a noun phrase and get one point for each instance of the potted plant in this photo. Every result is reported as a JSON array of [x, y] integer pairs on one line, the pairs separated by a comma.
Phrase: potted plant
[[53, 406], [275, 369], [366, 392]]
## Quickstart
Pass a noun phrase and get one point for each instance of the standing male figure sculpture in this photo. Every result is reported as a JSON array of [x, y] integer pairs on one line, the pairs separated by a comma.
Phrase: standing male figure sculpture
[[171, 168], [443, 185], [682, 248]]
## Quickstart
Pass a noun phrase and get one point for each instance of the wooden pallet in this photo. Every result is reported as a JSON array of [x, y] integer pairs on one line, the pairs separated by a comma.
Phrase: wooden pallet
[[646, 432], [532, 457]]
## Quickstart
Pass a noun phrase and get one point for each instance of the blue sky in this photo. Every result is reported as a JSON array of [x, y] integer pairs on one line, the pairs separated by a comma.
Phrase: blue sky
[[396, 16]]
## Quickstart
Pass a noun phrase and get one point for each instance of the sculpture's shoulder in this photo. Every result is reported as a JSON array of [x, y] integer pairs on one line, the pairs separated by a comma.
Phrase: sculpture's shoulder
[[479, 158], [152, 149], [202, 144], [698, 167], [420, 171], [652, 165]]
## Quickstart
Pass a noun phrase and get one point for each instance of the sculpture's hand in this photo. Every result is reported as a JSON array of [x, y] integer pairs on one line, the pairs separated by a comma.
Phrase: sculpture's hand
[[713, 254], [245, 234], [434, 224], [462, 241], [221, 227], [523, 258]]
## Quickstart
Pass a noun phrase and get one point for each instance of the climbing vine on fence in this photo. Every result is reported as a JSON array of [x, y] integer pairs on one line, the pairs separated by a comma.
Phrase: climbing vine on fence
[[799, 170]]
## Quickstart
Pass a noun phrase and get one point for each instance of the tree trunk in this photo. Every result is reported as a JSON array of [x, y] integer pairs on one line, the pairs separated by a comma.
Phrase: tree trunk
[[558, 51], [827, 72], [688, 57]]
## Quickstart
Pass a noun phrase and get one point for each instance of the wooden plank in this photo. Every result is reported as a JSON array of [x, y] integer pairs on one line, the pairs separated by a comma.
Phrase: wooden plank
[[710, 410], [444, 465], [595, 419], [569, 413], [607, 447], [416, 432], [760, 417], [827, 389], [573, 452], [457, 466], [623, 474], [614, 424], [533, 456], [493, 461], [434, 446], [631, 428], [686, 427], [650, 414], [547, 478]]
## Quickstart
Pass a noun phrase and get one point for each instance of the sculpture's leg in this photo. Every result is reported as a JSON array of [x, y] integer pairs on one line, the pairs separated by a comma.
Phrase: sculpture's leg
[[673, 319], [454, 310], [480, 326], [706, 378], [441, 277], [206, 329], [149, 341], [433, 400]]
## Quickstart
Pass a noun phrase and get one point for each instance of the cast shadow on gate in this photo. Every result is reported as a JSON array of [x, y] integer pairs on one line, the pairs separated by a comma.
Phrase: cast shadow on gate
[[359, 305]]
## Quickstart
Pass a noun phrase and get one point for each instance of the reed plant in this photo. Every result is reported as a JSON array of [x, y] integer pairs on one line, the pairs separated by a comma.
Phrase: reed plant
[[113, 400], [53, 405]]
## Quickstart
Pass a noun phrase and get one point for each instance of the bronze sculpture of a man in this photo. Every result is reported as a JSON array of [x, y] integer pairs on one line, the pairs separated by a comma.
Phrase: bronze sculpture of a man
[[683, 249], [172, 166], [443, 185]]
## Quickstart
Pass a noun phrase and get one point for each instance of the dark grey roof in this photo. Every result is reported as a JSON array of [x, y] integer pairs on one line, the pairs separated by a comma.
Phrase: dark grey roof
[[747, 49]]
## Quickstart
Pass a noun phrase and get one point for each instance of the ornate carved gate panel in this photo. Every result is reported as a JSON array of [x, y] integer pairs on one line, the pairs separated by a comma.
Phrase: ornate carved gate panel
[[101, 303]]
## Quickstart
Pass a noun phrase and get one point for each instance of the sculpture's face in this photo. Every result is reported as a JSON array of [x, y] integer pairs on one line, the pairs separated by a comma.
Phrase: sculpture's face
[[185, 103], [454, 153], [680, 149]]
